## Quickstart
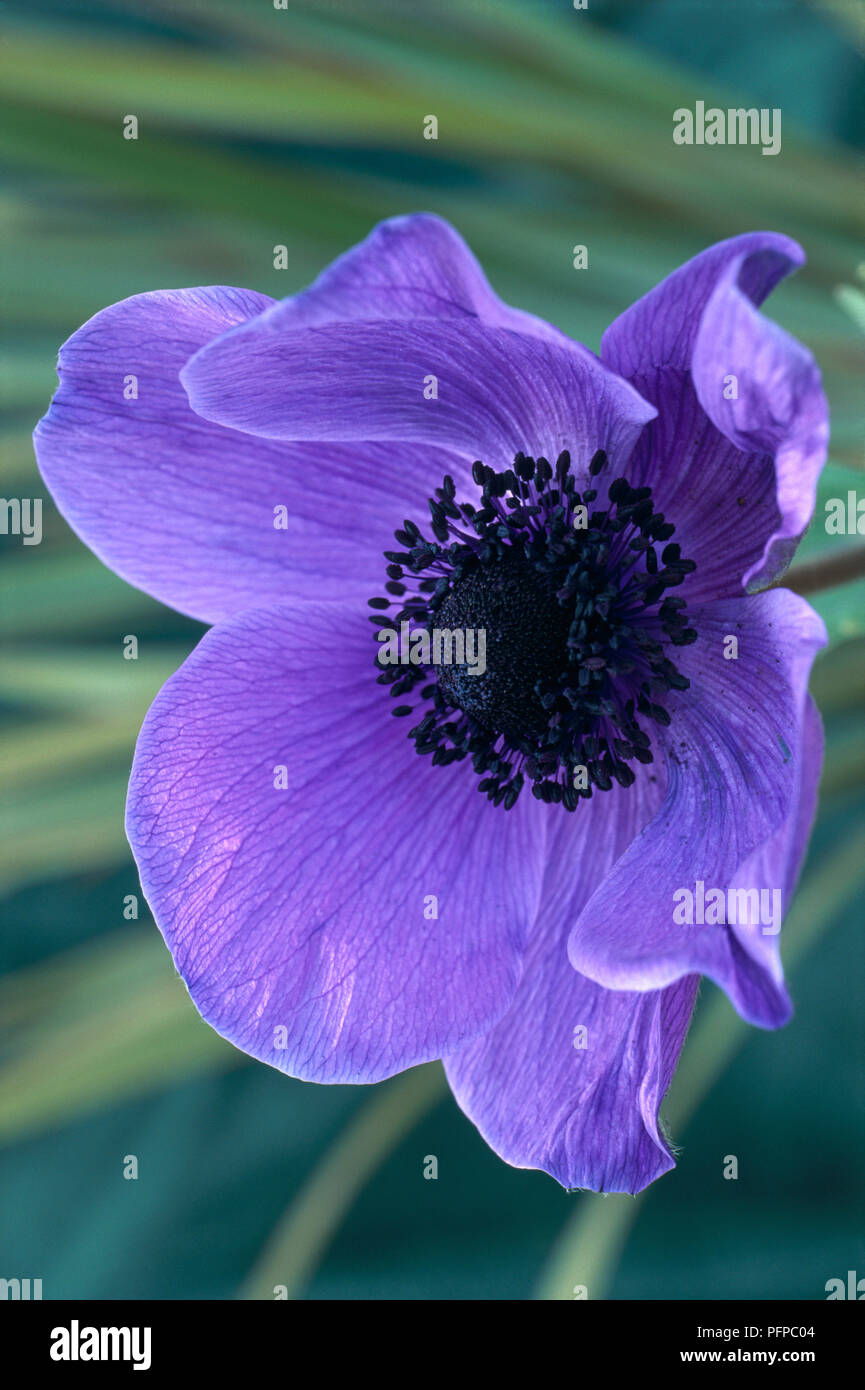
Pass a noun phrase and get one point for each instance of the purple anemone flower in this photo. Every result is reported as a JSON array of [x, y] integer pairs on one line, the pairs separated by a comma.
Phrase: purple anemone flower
[[603, 734]]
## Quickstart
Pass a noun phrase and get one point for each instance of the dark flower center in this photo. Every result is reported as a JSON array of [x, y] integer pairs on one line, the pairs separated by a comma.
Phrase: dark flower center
[[535, 629], [526, 633]]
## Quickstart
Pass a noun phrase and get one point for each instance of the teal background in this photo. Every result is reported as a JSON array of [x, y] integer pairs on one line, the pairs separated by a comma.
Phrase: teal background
[[303, 127]]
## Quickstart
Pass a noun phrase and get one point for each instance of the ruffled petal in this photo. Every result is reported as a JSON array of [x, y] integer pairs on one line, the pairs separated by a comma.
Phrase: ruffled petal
[[661, 328], [338, 907], [736, 752], [572, 1078], [779, 411], [778, 862], [206, 519], [413, 267], [721, 501], [742, 427], [581, 1106], [495, 392]]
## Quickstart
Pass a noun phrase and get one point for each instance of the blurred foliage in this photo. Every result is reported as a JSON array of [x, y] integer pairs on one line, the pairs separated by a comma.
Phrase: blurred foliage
[[303, 127]]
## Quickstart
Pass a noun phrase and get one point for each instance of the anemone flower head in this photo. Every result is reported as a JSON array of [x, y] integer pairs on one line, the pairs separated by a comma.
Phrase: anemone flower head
[[499, 738]]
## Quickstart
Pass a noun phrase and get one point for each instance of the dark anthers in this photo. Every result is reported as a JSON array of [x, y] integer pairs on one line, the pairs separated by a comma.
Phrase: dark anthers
[[578, 625]]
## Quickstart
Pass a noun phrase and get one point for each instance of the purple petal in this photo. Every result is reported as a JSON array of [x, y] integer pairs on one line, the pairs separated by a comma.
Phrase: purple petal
[[497, 392], [721, 501], [581, 1105], [413, 267], [660, 330], [780, 411], [185, 509], [301, 917], [779, 861], [738, 767], [588, 1117], [755, 458]]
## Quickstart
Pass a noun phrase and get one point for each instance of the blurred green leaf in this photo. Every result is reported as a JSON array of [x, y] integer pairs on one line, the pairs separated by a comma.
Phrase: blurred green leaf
[[853, 301], [838, 677], [59, 828], [302, 1235], [91, 679], [109, 1021], [66, 593]]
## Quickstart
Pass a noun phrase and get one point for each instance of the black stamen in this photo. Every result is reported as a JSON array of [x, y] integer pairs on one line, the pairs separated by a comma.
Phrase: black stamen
[[577, 621]]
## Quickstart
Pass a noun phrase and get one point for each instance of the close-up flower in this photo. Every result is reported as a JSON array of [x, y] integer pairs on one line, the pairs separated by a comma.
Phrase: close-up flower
[[432, 695], [363, 858]]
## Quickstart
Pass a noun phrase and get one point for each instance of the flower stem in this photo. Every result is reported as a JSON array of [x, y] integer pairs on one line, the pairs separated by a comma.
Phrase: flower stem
[[824, 573]]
